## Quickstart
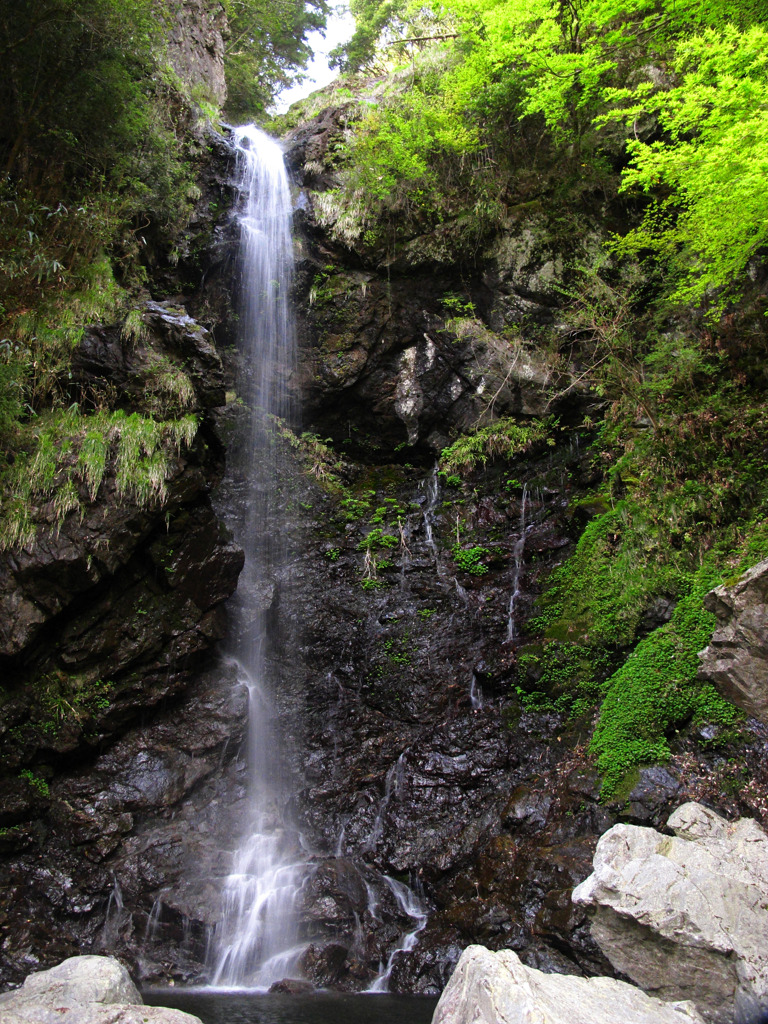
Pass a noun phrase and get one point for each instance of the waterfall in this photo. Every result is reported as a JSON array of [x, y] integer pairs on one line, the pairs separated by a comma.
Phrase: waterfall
[[255, 943]]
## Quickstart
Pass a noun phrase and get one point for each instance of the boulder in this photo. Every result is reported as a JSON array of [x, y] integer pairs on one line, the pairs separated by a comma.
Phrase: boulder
[[84, 990], [686, 917], [736, 660], [496, 988]]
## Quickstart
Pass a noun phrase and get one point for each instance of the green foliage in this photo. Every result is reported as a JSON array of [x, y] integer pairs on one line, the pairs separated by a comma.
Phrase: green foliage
[[450, 479], [372, 19], [600, 594], [355, 506], [320, 461], [504, 439], [390, 510], [456, 306], [655, 692], [94, 161], [372, 583], [266, 49], [66, 456], [35, 781], [470, 559], [74, 71], [709, 211], [377, 538], [683, 81], [568, 677], [397, 649], [13, 372], [683, 510]]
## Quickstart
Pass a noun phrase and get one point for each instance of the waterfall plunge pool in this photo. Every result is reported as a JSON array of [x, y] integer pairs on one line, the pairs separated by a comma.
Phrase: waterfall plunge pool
[[221, 1007]]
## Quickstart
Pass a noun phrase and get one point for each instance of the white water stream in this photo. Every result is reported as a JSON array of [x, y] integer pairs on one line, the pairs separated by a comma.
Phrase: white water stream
[[518, 554], [410, 904], [256, 942]]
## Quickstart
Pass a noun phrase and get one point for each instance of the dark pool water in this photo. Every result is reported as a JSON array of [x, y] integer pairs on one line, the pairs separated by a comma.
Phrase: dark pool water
[[319, 1008]]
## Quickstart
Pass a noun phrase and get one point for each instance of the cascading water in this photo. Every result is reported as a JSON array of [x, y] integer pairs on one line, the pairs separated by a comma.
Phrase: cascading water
[[410, 905], [518, 554], [255, 942]]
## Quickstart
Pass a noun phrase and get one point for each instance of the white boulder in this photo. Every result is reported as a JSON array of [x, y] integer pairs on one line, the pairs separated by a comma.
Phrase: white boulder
[[84, 990], [496, 988], [686, 916]]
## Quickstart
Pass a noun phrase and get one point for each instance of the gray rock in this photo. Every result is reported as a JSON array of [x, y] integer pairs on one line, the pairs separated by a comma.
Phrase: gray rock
[[84, 990], [685, 917], [195, 33], [89, 979], [496, 988], [655, 789], [736, 660]]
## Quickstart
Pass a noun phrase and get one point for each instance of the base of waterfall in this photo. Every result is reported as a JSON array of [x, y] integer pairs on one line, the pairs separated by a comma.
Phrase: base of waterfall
[[684, 916], [319, 1007]]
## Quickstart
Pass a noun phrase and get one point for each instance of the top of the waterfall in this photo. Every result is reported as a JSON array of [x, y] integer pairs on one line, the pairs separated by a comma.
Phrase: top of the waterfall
[[248, 136]]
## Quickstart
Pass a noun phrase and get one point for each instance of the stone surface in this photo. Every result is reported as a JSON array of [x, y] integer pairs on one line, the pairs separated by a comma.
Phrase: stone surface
[[196, 34], [685, 917], [89, 979], [736, 660], [169, 369], [84, 990], [496, 988], [111, 610]]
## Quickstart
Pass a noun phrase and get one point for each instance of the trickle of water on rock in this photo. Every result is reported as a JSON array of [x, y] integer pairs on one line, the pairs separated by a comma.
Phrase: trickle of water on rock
[[256, 941], [431, 487], [410, 904], [392, 786], [476, 694], [150, 932], [517, 553], [115, 918]]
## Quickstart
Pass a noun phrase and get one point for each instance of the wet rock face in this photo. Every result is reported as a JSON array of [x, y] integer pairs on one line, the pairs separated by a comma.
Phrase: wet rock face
[[408, 344], [384, 368], [411, 761], [109, 614], [168, 367], [106, 617], [110, 839]]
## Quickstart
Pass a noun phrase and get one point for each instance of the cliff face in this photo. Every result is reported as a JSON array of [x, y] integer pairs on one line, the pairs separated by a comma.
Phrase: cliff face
[[112, 601], [415, 753], [197, 33]]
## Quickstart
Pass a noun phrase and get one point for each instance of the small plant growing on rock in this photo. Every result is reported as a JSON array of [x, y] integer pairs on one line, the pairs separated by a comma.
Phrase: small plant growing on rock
[[378, 539], [504, 439], [35, 781], [470, 559]]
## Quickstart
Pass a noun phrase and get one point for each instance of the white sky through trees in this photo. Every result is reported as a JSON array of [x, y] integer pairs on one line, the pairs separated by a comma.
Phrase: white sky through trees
[[341, 25]]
